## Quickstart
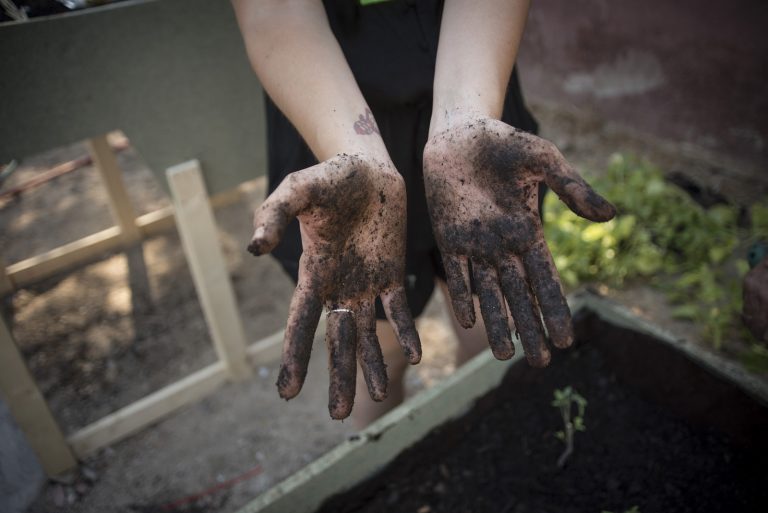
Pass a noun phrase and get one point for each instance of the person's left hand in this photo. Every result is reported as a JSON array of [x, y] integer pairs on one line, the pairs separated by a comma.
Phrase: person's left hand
[[482, 184]]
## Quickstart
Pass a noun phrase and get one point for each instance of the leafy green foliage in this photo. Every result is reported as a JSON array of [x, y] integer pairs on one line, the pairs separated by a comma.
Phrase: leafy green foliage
[[660, 234], [759, 217], [755, 359]]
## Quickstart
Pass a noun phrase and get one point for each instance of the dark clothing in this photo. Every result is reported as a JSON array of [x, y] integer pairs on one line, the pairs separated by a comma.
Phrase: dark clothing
[[391, 49]]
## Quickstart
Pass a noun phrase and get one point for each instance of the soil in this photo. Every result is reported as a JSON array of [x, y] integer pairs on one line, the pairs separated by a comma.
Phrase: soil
[[690, 443]]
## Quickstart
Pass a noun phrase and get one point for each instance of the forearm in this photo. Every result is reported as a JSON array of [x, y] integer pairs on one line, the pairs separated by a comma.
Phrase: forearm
[[302, 68], [477, 50]]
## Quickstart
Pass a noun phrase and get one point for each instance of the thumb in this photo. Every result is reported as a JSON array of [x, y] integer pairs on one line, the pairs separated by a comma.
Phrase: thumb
[[278, 210], [577, 193]]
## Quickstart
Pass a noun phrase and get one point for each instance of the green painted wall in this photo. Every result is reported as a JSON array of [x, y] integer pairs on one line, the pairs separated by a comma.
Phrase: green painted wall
[[172, 74]]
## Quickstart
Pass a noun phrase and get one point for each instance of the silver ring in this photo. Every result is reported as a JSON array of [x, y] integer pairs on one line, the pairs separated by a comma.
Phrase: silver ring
[[346, 310]]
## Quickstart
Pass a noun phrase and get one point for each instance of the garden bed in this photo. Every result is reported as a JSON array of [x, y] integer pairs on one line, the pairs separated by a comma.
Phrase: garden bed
[[668, 428]]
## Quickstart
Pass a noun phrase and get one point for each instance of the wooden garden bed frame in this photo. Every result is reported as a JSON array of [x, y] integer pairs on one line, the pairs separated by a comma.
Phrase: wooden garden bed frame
[[192, 214]]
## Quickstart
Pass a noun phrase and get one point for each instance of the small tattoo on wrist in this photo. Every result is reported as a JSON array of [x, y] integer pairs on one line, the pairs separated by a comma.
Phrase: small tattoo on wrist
[[366, 125]]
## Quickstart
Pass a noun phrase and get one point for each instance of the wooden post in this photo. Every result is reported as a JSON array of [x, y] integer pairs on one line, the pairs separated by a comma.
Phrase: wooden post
[[194, 219], [119, 202], [6, 285], [28, 407]]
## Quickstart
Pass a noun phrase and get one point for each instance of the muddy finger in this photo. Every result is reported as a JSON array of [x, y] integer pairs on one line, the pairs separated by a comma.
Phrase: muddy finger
[[457, 277], [341, 340], [399, 315], [369, 352], [522, 306], [577, 193], [273, 216], [303, 317], [545, 282], [493, 309]]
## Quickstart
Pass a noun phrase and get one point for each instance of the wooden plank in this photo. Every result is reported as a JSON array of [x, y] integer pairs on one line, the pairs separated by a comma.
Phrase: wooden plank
[[200, 239], [126, 421], [162, 219], [29, 409], [131, 419], [157, 222], [119, 202], [75, 253], [58, 259]]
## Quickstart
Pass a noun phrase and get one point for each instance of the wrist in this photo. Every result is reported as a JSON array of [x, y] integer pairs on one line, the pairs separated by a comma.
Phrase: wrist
[[445, 118], [353, 133], [371, 147], [451, 109]]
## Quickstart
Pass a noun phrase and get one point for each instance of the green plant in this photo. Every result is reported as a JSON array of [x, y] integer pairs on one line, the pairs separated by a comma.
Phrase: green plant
[[755, 358], [565, 399], [759, 221], [661, 235]]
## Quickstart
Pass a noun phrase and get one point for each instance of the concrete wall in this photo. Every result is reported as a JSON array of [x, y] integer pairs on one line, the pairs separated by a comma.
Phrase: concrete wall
[[172, 74]]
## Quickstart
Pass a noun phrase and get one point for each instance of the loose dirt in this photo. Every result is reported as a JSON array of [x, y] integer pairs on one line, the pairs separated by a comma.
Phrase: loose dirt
[[636, 451]]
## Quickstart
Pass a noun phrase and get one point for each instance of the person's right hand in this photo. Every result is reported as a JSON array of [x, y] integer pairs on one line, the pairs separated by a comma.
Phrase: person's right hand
[[352, 214]]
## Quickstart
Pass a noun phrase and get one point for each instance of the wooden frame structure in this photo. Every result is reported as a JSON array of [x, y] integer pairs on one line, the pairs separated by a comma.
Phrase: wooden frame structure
[[128, 229], [193, 215]]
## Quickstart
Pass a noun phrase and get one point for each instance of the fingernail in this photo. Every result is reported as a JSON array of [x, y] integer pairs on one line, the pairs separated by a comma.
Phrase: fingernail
[[503, 353], [378, 395], [539, 361], [259, 233], [286, 383]]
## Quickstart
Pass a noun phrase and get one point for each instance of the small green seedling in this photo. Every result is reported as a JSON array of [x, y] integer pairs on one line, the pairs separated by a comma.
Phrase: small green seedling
[[565, 399]]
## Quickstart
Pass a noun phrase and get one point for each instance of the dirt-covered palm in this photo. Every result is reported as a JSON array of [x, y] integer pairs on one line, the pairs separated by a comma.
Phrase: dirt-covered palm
[[352, 215], [482, 183]]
